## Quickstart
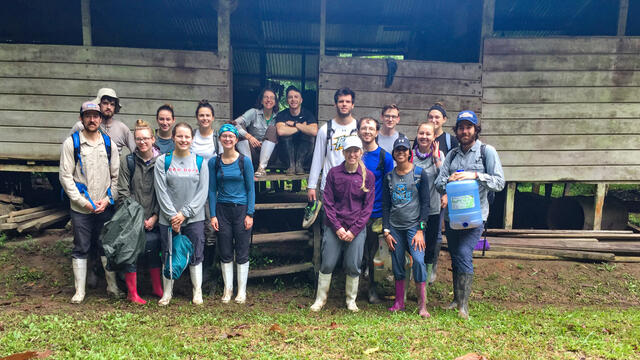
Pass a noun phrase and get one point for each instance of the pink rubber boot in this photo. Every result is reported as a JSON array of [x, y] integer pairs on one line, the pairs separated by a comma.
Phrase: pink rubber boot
[[131, 279], [156, 282], [398, 305]]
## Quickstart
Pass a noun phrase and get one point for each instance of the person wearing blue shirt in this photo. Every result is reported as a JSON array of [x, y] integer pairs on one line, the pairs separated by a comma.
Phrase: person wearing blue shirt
[[232, 204], [379, 162]]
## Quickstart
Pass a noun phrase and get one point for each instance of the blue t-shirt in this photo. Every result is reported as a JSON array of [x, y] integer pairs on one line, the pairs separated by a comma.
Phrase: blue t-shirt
[[371, 160], [234, 188], [165, 145]]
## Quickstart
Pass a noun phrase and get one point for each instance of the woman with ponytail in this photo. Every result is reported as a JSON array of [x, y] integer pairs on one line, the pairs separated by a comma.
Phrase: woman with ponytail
[[427, 155], [348, 201], [405, 209], [135, 180]]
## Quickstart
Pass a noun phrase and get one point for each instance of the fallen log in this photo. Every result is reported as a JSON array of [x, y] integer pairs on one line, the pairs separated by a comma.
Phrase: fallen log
[[43, 222]]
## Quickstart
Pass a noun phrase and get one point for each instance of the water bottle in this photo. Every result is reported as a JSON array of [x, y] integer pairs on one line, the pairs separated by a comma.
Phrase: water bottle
[[464, 204]]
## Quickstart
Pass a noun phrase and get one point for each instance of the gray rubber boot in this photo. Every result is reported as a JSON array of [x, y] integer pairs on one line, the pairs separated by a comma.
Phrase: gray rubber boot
[[436, 253], [372, 294], [456, 293], [465, 281]]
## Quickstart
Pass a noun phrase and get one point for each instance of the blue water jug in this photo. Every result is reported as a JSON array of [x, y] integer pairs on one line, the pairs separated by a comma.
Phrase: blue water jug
[[464, 204]]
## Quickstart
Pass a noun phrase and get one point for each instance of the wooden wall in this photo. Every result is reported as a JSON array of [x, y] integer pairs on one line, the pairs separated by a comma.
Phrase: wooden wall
[[563, 109], [417, 86], [43, 86]]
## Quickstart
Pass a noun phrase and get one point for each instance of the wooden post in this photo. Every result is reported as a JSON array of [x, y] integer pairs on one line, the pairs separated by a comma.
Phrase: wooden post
[[567, 189], [323, 25], [488, 13], [86, 22], [508, 205], [622, 17], [601, 192], [224, 45]]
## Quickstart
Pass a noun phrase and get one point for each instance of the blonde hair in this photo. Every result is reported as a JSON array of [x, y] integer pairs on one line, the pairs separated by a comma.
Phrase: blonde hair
[[428, 124], [142, 125]]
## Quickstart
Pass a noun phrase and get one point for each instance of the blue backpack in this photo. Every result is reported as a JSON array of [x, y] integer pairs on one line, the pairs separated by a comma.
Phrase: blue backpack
[[180, 253]]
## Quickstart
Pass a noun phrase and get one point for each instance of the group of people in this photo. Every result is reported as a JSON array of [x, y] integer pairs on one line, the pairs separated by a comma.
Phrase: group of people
[[366, 179]]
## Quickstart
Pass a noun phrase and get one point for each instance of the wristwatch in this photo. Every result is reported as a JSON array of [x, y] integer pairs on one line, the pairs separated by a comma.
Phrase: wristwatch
[[385, 232], [422, 225]]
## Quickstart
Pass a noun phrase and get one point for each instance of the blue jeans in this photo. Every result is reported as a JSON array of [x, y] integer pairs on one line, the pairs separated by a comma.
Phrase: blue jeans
[[403, 243], [461, 244]]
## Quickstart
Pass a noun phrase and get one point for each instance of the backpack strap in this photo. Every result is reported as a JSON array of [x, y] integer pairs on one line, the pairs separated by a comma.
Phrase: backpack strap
[[417, 176], [483, 156], [131, 165], [447, 139], [381, 160], [199, 160], [167, 161], [329, 135], [107, 145], [76, 149]]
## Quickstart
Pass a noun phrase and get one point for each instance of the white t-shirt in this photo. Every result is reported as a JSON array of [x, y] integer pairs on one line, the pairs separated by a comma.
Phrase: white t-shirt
[[333, 150], [386, 142], [204, 145]]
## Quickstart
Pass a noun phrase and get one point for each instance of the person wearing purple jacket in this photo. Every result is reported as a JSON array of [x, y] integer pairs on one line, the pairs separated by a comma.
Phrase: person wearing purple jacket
[[348, 201]]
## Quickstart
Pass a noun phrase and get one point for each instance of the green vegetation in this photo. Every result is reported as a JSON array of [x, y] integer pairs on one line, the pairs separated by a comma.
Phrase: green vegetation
[[3, 239]]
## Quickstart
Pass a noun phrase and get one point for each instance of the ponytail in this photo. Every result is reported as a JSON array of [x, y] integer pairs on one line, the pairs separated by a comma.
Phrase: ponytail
[[364, 176]]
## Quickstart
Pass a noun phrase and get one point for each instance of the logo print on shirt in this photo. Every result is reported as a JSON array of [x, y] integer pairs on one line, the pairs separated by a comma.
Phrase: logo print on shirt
[[400, 195]]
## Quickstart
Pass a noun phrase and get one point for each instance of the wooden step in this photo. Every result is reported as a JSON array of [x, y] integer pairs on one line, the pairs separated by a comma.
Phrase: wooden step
[[281, 177], [281, 270], [279, 206], [299, 235]]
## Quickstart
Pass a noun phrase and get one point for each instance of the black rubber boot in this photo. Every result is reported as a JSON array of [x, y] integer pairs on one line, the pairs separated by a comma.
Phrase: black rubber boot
[[456, 293], [434, 269], [291, 154], [465, 287], [372, 294]]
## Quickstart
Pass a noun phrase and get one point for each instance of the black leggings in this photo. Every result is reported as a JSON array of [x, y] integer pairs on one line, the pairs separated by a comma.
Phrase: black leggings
[[232, 234]]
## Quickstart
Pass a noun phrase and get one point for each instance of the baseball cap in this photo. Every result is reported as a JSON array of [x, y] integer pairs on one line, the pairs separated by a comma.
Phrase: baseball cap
[[352, 141], [467, 115], [90, 106], [110, 93], [403, 142]]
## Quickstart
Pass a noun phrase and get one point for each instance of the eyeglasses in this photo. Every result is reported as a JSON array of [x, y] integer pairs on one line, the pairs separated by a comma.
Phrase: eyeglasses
[[227, 136], [143, 139], [390, 116]]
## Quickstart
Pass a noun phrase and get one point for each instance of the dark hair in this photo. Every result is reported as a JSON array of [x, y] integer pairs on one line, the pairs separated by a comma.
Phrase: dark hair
[[290, 88], [343, 92], [390, 106], [115, 100], [204, 103], [438, 106], [166, 107], [259, 102], [368, 118], [410, 155], [184, 125], [477, 127]]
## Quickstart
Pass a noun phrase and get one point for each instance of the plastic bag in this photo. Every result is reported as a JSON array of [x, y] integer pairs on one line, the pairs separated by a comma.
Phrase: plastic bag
[[123, 237]]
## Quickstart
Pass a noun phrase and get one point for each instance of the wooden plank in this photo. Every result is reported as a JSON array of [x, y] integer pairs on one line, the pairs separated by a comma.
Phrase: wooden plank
[[8, 226], [281, 177], [538, 62], [512, 255], [569, 157], [630, 259], [85, 14], [568, 94], [559, 78], [130, 106], [563, 142], [400, 84], [627, 248], [280, 206], [486, 30], [11, 199], [557, 126], [508, 205], [97, 72], [406, 68], [30, 210], [601, 192], [41, 223], [408, 117], [31, 216], [623, 10], [613, 174], [29, 151], [560, 233], [281, 270], [109, 56], [407, 101], [323, 27], [562, 45], [599, 236], [160, 92], [3, 218], [299, 235], [560, 111], [564, 254]]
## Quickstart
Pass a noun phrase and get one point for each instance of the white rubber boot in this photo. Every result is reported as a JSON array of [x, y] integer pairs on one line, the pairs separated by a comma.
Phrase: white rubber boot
[[265, 153], [243, 275], [351, 289], [324, 282], [227, 276], [80, 279], [196, 281], [167, 290], [110, 276]]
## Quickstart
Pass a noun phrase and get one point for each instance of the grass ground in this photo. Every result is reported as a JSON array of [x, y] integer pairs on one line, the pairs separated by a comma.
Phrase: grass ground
[[520, 310]]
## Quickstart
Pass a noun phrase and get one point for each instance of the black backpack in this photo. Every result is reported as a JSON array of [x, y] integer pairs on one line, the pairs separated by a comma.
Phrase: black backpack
[[491, 196]]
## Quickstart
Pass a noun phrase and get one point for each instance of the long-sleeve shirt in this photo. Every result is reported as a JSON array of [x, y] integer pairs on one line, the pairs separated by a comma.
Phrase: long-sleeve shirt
[[489, 179], [432, 171], [346, 205], [371, 160], [253, 122], [141, 186], [183, 188], [228, 185], [332, 149], [404, 203], [96, 172], [119, 133]]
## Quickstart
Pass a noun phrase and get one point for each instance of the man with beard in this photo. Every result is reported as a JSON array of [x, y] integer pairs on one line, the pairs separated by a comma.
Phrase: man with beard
[[328, 149], [297, 128], [89, 174], [471, 160], [119, 133], [379, 162]]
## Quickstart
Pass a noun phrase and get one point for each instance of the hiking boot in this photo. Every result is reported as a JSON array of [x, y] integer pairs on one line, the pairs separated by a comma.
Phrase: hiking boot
[[311, 213], [261, 172]]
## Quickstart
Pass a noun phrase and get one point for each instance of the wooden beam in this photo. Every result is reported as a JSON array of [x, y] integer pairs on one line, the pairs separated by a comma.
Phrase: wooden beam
[[488, 12], [559, 233], [31, 216], [300, 235], [622, 17], [601, 192], [281, 270], [86, 22], [274, 206], [43, 222], [11, 199], [509, 205], [323, 26]]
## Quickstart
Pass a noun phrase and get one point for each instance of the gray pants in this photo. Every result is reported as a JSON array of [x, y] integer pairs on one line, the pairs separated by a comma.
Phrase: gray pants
[[352, 252]]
